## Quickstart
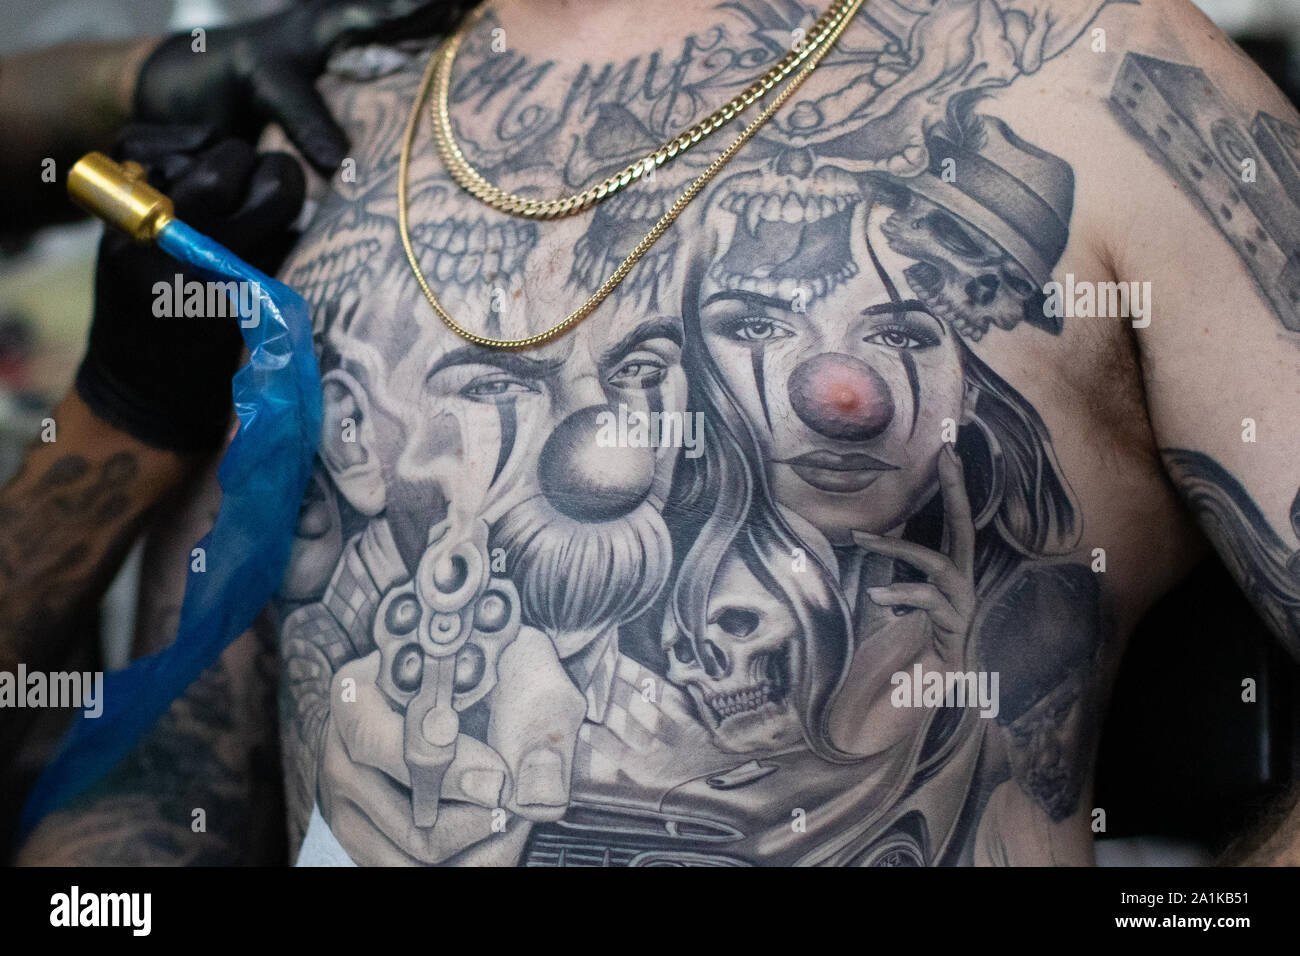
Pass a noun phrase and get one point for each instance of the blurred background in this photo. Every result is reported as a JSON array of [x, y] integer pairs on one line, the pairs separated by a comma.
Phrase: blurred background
[[1183, 765], [45, 279]]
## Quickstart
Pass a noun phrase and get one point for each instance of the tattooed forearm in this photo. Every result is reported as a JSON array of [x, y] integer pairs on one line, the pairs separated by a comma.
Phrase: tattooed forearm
[[66, 520], [204, 786], [1267, 568], [42, 570], [201, 789]]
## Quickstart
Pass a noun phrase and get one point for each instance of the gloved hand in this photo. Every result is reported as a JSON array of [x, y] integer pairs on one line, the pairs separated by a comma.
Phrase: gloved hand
[[167, 380], [264, 71]]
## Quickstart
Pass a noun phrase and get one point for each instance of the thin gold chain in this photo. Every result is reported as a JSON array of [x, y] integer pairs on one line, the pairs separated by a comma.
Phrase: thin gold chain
[[477, 185], [820, 48]]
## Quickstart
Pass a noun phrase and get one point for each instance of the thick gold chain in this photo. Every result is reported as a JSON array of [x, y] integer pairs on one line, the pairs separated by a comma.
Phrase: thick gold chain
[[473, 182], [817, 50]]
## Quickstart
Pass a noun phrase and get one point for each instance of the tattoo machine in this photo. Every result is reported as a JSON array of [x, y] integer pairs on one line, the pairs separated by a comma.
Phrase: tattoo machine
[[277, 397]]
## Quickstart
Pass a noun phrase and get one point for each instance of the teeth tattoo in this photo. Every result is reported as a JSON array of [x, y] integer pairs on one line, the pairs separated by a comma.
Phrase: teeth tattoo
[[352, 255], [742, 701], [761, 195], [472, 252], [616, 228]]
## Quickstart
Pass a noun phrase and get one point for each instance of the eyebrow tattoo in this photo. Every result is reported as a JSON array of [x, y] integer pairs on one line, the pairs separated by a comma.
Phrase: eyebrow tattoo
[[753, 298], [670, 329], [506, 361]]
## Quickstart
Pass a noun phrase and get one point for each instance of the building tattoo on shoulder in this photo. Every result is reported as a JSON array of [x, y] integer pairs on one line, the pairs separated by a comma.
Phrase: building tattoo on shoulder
[[1245, 173]]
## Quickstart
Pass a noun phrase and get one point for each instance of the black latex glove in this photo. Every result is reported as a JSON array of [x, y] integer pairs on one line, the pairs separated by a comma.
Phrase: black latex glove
[[167, 380], [264, 71]]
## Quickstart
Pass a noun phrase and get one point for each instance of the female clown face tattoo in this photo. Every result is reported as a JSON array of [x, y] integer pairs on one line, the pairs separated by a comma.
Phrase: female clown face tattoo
[[850, 393]]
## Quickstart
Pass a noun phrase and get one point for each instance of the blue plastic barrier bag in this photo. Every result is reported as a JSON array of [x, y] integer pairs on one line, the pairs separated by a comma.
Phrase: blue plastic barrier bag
[[263, 476]]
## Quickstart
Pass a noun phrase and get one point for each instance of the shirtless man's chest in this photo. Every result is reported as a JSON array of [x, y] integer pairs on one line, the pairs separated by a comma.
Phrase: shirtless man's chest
[[817, 542]]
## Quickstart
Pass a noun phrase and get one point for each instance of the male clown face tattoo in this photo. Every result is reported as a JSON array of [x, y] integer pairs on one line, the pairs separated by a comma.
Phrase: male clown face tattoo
[[459, 433], [743, 547]]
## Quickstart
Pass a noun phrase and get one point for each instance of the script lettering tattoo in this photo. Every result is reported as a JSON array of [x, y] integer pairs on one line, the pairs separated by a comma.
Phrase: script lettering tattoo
[[508, 637]]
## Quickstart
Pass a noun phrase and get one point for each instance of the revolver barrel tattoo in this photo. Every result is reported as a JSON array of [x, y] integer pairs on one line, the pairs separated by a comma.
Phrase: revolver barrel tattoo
[[440, 635]]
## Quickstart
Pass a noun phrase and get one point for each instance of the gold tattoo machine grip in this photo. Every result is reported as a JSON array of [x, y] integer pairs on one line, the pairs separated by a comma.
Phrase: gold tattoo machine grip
[[119, 194]]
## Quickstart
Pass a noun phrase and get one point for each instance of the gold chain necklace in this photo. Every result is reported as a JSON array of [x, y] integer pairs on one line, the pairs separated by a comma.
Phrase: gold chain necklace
[[478, 186], [817, 50]]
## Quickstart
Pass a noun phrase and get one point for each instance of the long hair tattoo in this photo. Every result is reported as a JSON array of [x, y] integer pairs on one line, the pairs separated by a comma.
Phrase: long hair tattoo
[[1013, 481], [722, 503], [727, 505]]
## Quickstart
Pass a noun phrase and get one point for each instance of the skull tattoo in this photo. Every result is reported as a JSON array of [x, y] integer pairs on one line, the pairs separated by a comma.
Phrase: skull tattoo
[[962, 276], [739, 674]]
